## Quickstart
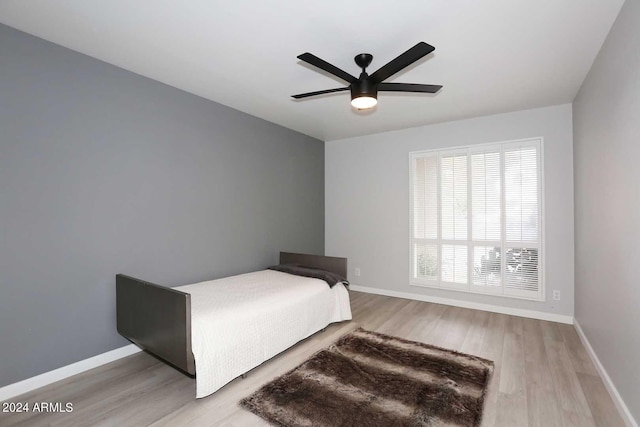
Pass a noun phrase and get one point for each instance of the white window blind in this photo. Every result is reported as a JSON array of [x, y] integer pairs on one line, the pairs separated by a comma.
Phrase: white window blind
[[476, 219]]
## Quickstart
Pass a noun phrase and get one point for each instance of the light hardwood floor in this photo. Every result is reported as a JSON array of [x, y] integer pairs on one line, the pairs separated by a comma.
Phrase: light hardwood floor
[[543, 375]]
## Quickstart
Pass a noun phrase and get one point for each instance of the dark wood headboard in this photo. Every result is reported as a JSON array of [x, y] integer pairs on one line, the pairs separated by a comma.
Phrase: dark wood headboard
[[334, 264], [157, 319]]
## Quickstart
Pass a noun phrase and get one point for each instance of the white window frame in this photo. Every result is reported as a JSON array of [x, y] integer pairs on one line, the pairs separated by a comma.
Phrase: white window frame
[[502, 290]]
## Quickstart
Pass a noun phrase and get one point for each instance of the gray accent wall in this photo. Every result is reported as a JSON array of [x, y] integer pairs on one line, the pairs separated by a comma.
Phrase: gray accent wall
[[367, 201], [607, 199], [103, 171]]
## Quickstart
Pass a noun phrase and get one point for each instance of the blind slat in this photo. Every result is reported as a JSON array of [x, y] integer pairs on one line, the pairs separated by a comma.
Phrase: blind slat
[[454, 198]]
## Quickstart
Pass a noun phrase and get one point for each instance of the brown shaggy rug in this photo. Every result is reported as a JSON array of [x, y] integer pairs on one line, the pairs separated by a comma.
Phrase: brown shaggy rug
[[370, 379]]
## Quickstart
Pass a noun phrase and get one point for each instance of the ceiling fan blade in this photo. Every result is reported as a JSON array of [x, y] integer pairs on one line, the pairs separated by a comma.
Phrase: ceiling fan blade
[[320, 92], [402, 61], [329, 68], [408, 87]]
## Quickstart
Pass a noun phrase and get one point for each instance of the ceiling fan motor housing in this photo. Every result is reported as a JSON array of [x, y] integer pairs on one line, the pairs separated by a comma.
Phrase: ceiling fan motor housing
[[364, 87]]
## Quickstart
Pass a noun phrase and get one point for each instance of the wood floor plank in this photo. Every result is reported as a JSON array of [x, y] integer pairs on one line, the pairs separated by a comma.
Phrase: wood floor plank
[[492, 345], [542, 405], [535, 351], [573, 419], [360, 300], [509, 411], [401, 323], [474, 339], [492, 349], [579, 357], [512, 370], [542, 374], [426, 320], [241, 418], [445, 325], [458, 330], [603, 410], [512, 400], [567, 386], [378, 314], [550, 332]]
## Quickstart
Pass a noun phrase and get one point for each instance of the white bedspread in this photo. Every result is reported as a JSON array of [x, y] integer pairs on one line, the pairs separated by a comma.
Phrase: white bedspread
[[241, 321]]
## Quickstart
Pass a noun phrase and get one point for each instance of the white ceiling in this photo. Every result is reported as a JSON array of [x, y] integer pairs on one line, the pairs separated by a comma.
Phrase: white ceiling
[[491, 56]]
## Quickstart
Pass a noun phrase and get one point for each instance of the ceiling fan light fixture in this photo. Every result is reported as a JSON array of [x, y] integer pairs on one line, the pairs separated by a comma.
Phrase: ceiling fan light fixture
[[364, 102], [364, 93]]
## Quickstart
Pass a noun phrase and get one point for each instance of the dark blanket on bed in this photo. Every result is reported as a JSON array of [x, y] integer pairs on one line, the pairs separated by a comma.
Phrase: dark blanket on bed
[[305, 271]]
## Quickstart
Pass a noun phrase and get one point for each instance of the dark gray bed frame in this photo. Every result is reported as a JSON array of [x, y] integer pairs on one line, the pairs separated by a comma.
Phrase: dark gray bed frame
[[158, 318]]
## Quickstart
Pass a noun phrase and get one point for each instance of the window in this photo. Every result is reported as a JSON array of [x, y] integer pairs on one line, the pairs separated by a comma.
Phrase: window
[[476, 219]]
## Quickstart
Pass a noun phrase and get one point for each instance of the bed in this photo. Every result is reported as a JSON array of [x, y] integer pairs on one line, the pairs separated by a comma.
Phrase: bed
[[228, 326]]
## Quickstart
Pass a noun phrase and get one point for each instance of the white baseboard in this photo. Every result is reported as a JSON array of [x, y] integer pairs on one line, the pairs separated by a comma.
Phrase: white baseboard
[[541, 315], [25, 386], [611, 388]]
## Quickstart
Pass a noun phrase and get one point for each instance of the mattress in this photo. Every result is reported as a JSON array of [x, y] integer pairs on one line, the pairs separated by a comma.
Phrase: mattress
[[241, 321]]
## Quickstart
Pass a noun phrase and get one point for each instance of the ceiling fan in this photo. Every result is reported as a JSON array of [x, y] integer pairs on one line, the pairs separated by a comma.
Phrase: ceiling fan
[[364, 89]]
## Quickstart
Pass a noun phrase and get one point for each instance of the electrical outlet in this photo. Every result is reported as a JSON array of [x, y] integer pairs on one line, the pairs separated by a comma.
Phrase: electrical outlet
[[357, 271], [556, 295]]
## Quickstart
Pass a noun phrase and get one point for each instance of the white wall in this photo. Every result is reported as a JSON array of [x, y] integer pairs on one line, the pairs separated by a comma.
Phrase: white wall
[[367, 200], [607, 199]]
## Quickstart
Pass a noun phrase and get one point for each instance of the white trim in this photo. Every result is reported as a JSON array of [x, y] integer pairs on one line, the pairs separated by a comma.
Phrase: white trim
[[623, 410], [478, 291], [533, 314], [25, 386], [478, 144]]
